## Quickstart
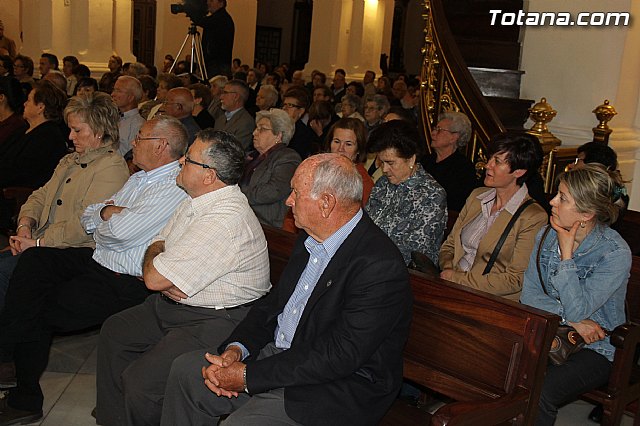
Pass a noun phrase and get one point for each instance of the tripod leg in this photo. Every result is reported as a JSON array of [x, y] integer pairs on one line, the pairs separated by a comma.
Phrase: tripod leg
[[200, 56], [179, 53]]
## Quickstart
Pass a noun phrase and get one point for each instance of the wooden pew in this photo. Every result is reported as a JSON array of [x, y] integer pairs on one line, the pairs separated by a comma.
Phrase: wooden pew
[[623, 389], [487, 353]]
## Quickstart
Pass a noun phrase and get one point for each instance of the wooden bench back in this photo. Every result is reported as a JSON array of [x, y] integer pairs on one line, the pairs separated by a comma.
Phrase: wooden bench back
[[471, 345]]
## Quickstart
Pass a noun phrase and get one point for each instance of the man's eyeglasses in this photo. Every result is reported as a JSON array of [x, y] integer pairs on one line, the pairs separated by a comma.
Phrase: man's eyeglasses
[[204, 166], [290, 105], [171, 103], [137, 138], [225, 92]]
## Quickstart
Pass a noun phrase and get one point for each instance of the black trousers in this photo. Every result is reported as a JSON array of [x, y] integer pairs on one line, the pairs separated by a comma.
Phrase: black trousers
[[56, 290], [585, 370]]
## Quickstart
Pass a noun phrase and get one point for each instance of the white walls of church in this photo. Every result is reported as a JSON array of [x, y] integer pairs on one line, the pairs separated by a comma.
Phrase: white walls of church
[[10, 16], [73, 27], [349, 34], [576, 68]]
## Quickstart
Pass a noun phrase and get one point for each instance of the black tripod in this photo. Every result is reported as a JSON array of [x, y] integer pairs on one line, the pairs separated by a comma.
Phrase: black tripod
[[197, 55]]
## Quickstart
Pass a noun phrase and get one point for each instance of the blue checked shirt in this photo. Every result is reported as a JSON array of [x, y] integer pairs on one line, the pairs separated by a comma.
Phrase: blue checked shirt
[[320, 254], [149, 198]]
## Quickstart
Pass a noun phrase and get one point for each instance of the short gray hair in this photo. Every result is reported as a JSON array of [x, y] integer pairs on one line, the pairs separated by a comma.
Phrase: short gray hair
[[242, 89], [219, 80], [174, 131], [271, 94], [353, 100], [133, 86], [460, 124], [381, 101], [345, 183], [224, 154], [280, 123]]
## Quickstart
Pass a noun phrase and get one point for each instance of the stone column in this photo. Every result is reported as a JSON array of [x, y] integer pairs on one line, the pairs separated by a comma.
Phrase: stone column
[[91, 31], [349, 34]]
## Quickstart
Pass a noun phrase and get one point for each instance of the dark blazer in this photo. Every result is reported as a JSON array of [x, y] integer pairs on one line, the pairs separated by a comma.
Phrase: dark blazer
[[304, 140], [345, 362], [29, 160], [241, 126], [270, 185]]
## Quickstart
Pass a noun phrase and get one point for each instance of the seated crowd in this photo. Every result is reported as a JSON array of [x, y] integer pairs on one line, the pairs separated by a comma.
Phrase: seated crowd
[[149, 192]]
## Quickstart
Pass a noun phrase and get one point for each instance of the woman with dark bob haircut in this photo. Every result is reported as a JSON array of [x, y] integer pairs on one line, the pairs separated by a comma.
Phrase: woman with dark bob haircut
[[29, 160], [579, 271], [348, 137], [11, 105], [464, 256], [406, 203]]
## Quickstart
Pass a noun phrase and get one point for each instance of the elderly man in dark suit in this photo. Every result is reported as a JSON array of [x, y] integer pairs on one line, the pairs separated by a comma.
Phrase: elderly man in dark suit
[[324, 347], [236, 119]]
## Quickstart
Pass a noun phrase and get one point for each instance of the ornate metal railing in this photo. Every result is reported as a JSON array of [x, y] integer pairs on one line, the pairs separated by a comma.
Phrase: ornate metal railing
[[447, 84]]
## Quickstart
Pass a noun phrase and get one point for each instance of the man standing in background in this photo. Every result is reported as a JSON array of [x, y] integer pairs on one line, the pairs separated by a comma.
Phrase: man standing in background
[[217, 37]]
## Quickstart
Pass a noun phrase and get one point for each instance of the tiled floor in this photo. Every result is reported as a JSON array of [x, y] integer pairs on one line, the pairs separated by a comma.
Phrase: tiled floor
[[69, 385]]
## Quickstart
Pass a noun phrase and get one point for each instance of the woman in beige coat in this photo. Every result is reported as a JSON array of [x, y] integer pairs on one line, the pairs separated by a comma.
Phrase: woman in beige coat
[[94, 172], [464, 255]]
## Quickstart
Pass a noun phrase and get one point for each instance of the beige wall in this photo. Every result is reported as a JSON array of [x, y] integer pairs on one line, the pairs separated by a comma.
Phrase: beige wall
[[576, 68], [10, 16]]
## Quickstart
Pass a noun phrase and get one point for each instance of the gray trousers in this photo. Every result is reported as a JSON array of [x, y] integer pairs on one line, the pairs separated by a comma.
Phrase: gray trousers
[[137, 347], [189, 402]]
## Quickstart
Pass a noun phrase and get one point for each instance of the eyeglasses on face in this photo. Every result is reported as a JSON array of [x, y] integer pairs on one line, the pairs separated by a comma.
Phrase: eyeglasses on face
[[439, 129], [290, 105], [189, 160], [137, 138], [227, 92], [262, 129]]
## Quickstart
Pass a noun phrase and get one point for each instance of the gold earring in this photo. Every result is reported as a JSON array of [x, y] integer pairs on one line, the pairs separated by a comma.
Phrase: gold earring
[[582, 224]]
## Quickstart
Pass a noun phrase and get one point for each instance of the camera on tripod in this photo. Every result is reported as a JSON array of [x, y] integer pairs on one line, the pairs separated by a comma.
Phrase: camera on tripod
[[192, 8]]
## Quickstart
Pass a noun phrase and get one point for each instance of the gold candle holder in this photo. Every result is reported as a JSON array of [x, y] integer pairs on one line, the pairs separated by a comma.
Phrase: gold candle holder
[[604, 113]]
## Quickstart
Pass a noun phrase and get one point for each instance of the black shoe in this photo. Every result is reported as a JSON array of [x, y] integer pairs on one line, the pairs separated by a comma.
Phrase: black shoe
[[596, 414], [13, 416]]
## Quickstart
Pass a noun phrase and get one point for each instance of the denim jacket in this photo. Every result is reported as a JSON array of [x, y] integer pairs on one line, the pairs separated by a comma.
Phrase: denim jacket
[[593, 284]]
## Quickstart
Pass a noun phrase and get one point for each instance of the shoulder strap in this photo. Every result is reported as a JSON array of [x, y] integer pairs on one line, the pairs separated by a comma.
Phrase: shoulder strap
[[542, 238], [504, 235]]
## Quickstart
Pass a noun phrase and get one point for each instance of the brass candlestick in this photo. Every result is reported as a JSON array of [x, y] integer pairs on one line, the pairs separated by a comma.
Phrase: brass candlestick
[[604, 113]]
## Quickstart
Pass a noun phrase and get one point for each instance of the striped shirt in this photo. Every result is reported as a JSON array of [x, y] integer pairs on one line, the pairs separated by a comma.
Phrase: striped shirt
[[150, 199]]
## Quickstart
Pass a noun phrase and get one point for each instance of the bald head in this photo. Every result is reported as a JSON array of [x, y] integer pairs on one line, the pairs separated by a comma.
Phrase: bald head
[[179, 103], [127, 92]]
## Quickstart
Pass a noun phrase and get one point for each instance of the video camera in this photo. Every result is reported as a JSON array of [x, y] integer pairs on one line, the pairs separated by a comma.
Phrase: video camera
[[192, 8]]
